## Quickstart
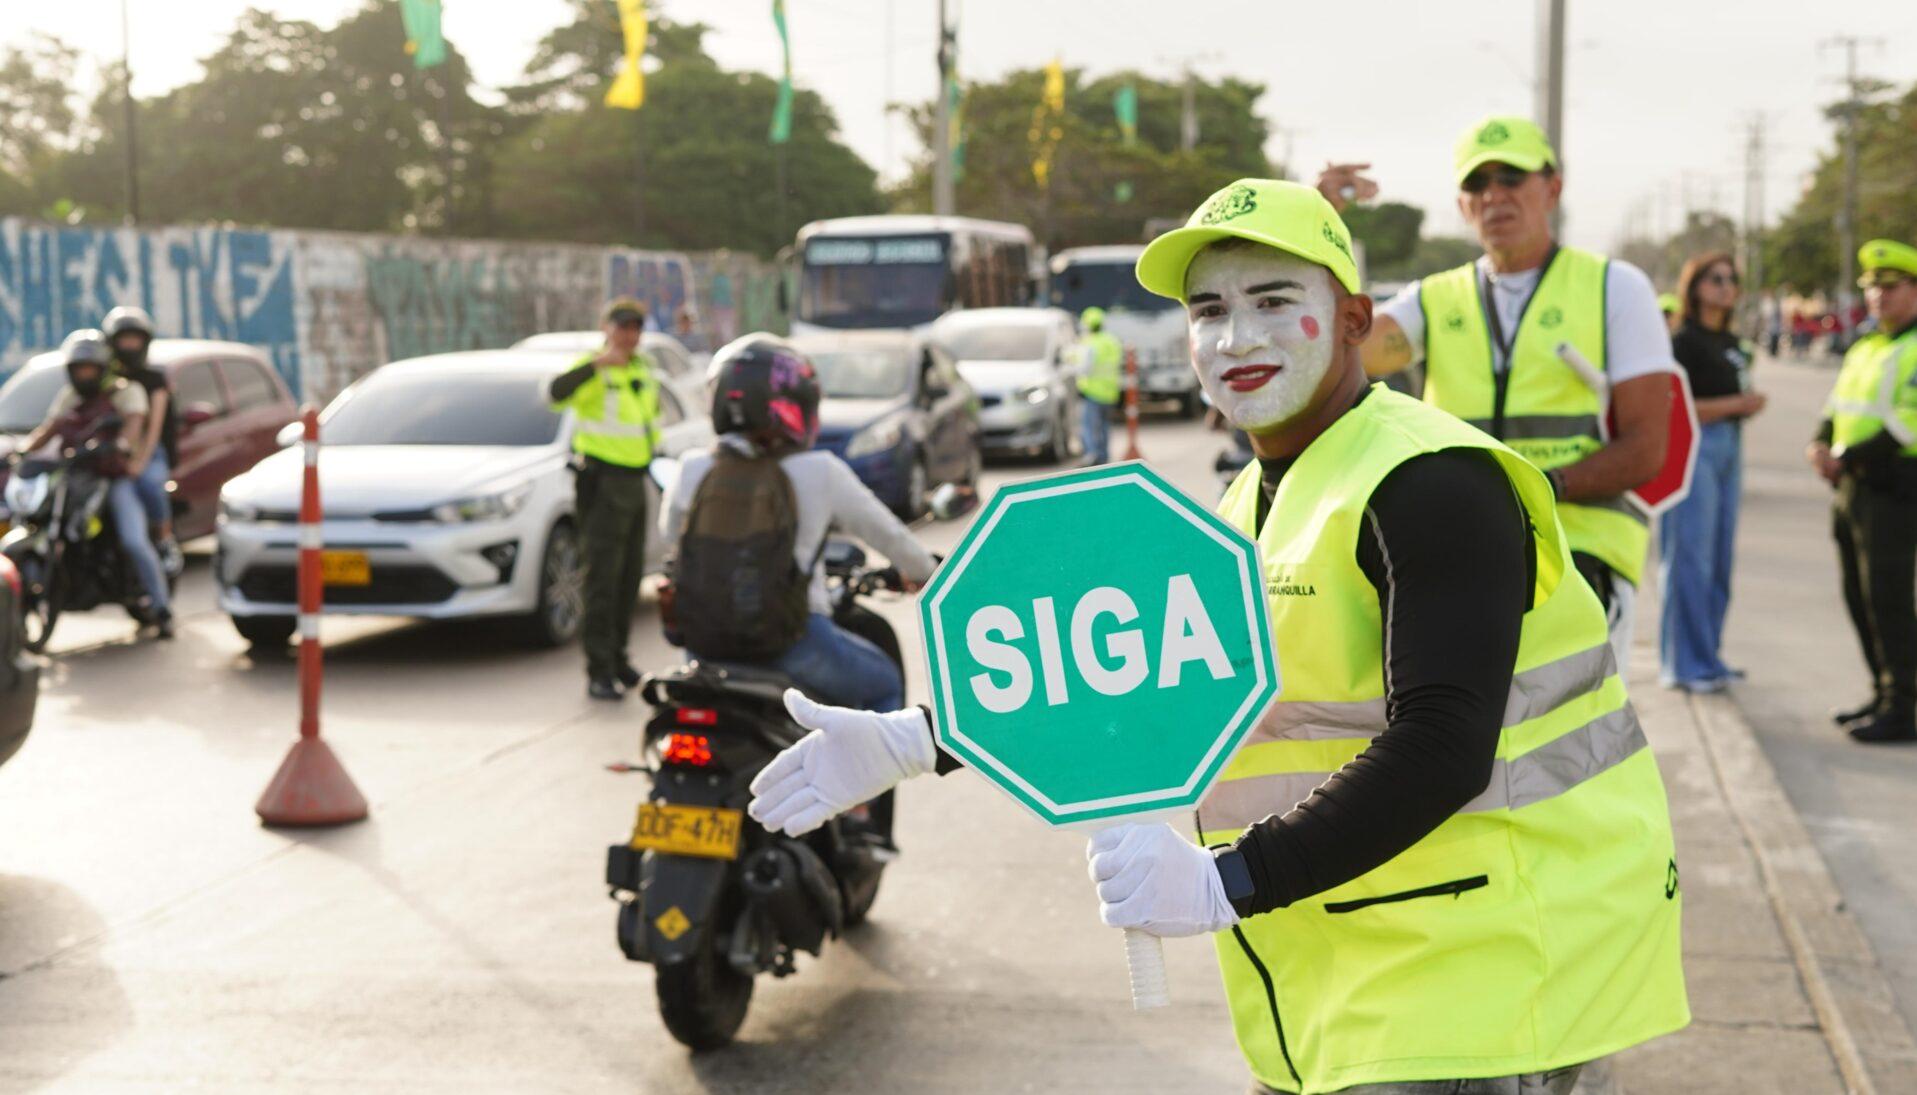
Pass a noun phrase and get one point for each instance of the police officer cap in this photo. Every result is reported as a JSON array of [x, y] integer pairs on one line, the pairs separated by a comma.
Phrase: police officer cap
[[623, 310], [1888, 255]]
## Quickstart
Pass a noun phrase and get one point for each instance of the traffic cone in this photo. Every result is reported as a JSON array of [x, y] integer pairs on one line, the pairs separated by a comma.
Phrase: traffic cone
[[311, 788]]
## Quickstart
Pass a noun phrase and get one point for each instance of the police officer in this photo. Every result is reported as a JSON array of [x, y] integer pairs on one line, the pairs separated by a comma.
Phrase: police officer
[[614, 398], [1867, 449], [1490, 335], [1430, 866], [1101, 359]]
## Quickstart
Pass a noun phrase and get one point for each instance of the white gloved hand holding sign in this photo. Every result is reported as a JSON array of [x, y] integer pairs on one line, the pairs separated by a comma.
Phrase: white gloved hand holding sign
[[849, 757], [1153, 880]]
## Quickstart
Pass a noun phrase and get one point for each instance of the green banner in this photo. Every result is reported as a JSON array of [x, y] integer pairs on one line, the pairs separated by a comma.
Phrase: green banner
[[423, 40], [782, 112], [1125, 107]]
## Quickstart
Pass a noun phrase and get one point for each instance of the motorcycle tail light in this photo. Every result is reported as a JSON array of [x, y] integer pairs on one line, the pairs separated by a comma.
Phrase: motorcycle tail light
[[693, 749], [11, 575], [698, 716]]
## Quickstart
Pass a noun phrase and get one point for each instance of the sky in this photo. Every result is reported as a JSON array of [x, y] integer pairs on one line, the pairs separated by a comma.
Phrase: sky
[[1659, 94]]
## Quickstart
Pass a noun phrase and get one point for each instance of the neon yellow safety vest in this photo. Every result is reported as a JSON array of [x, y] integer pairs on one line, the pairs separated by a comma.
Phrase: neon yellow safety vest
[[1874, 392], [1539, 406], [616, 413], [1534, 929], [1102, 380]]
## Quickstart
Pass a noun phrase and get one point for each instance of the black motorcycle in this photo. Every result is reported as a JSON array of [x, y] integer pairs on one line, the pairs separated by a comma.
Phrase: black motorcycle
[[62, 540], [708, 897]]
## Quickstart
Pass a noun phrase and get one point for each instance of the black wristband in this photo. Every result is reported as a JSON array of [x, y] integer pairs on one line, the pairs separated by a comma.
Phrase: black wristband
[[1235, 873]]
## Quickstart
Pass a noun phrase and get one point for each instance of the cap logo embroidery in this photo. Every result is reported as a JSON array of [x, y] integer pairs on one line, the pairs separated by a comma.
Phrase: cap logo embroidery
[[1551, 317], [1454, 321], [1493, 133], [1333, 238], [1232, 202]]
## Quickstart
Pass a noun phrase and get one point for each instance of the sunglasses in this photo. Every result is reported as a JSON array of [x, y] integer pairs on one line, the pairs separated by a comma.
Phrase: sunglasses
[[1883, 279], [628, 322], [1506, 176], [1720, 279]]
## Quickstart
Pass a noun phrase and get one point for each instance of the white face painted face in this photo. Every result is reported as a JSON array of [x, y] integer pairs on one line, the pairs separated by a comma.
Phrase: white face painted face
[[1262, 332]]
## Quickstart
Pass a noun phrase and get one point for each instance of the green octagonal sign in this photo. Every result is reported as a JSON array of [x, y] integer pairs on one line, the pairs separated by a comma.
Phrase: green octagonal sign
[[1098, 645]]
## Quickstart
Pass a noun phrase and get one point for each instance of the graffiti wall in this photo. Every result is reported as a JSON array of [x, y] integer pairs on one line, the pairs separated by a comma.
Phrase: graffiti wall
[[328, 307]]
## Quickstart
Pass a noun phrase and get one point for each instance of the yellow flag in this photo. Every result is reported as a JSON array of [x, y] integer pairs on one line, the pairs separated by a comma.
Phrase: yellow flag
[[1046, 130], [1055, 86], [628, 90]]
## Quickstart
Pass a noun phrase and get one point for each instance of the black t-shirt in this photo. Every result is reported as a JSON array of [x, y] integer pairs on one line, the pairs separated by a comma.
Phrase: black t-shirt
[[1715, 360], [153, 380]]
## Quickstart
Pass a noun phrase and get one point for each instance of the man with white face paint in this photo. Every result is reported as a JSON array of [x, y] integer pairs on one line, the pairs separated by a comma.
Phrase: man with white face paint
[[1445, 854]]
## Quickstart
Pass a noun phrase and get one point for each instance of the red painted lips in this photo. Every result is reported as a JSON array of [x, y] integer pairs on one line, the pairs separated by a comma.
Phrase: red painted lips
[[1250, 378]]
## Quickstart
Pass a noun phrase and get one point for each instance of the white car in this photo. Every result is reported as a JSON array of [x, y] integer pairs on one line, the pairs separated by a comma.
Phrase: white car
[[1020, 362], [446, 491], [672, 356]]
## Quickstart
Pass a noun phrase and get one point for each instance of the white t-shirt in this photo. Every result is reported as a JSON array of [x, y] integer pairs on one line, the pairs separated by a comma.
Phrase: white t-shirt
[[830, 495], [1636, 341]]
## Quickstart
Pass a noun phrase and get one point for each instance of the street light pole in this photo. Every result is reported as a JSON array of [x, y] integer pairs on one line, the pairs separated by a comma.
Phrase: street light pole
[[942, 201], [1550, 84], [1847, 218], [126, 92]]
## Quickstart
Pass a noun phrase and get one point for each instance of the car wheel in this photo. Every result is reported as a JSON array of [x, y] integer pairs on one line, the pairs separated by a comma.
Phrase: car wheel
[[265, 632], [554, 620]]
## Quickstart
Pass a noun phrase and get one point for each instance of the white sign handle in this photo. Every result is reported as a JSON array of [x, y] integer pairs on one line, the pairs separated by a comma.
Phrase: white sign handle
[[1146, 954]]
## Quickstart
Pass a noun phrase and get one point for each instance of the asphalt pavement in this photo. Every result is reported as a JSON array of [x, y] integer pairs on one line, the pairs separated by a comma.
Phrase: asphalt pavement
[[154, 937]]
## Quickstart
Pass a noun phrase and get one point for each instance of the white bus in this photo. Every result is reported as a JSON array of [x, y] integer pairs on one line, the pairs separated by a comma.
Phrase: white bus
[[906, 270], [1150, 326]]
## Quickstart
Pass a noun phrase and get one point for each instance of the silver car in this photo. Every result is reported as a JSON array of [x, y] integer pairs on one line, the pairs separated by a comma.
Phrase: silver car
[[1020, 362]]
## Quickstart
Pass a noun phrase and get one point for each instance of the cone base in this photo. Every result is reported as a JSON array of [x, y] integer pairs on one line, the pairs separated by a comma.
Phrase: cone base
[[311, 788]]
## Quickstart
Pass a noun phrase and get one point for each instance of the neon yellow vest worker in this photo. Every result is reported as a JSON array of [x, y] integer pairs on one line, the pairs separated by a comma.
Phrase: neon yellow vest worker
[[1874, 392], [1102, 380], [1539, 406], [1536, 928], [616, 413]]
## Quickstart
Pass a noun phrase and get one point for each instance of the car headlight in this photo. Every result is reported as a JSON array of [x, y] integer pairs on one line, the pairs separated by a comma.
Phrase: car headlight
[[238, 511], [484, 507], [877, 437], [1037, 393]]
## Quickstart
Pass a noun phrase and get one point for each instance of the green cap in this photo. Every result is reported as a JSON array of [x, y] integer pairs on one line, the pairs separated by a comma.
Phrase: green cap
[[1292, 217], [1668, 303], [1502, 138], [1888, 255], [1092, 318]]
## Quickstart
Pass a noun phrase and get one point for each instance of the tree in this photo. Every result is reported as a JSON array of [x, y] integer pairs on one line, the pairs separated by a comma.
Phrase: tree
[[1389, 231], [1085, 203], [1663, 259], [1802, 250], [37, 119]]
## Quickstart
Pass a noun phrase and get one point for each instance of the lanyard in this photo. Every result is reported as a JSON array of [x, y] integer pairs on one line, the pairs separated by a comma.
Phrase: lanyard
[[1500, 345]]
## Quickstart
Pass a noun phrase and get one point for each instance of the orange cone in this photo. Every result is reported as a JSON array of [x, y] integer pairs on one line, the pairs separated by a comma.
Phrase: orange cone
[[311, 788]]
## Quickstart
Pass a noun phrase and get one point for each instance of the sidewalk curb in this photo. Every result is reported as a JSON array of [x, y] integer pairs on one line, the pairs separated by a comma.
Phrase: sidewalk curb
[[1856, 1011]]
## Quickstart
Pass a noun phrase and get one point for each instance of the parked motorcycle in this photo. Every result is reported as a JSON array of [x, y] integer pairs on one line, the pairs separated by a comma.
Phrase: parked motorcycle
[[62, 540], [710, 899]]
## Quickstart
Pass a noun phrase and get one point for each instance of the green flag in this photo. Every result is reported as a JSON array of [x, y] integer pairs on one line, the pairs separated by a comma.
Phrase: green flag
[[1125, 106], [423, 40], [782, 113]]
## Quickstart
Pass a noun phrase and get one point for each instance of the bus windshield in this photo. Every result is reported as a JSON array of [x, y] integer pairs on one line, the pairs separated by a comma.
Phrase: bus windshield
[[1108, 285], [874, 281]]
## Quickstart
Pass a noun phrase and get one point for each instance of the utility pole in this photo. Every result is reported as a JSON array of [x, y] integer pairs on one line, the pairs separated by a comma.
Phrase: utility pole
[[1550, 83], [942, 200], [126, 92], [1754, 201], [1847, 218], [1188, 116]]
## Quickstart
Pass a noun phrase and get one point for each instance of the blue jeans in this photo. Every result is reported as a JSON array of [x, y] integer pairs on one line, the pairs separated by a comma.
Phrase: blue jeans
[[129, 523], [1696, 540], [152, 487], [835, 666], [1094, 429]]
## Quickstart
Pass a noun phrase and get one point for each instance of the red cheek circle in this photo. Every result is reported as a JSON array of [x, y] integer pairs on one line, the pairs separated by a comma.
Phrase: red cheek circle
[[1309, 326]]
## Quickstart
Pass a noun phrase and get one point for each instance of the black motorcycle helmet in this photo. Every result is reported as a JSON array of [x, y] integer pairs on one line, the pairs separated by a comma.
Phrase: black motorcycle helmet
[[87, 358], [764, 387], [123, 320]]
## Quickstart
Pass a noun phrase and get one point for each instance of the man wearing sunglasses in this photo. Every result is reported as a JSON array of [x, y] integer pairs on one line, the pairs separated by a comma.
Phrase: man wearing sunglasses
[[614, 398], [1498, 336], [1867, 449]]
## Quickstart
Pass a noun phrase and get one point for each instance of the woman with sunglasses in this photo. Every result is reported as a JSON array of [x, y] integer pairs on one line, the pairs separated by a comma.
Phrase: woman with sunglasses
[[1697, 536]]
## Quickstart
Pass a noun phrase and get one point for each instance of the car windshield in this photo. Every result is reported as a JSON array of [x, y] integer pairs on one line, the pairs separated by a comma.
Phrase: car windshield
[[1007, 342], [1109, 285], [863, 374], [443, 408], [886, 281], [27, 397]]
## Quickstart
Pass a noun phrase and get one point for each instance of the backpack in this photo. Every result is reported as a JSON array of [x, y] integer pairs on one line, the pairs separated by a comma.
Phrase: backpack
[[738, 592]]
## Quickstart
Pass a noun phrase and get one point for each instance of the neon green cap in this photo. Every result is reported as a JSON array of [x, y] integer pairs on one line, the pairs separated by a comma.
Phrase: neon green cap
[[1092, 318], [1888, 255], [1668, 303], [1502, 138], [1289, 216]]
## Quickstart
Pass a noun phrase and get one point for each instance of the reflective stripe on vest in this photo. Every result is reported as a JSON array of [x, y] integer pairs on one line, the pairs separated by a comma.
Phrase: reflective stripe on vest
[[1865, 399], [1535, 928], [621, 425], [1549, 415]]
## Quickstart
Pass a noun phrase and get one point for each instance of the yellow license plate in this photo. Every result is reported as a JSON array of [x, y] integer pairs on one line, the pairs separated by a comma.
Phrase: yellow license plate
[[345, 568], [709, 831]]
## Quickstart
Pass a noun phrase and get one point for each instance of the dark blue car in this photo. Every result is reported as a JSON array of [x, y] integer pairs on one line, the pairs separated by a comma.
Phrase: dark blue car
[[897, 411]]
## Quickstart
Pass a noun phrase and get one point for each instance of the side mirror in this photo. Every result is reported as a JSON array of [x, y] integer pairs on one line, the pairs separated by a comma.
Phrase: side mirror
[[664, 472], [196, 414], [290, 434], [953, 501]]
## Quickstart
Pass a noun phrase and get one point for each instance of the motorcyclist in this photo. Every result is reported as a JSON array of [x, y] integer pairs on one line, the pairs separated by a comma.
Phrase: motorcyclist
[[91, 395], [765, 403], [156, 450]]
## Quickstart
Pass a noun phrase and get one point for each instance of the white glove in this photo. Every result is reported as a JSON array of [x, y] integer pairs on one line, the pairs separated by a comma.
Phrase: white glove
[[1152, 879], [849, 757]]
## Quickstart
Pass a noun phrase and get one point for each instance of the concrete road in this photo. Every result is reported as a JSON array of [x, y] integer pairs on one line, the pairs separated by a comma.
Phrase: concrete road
[[1788, 628], [154, 936]]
